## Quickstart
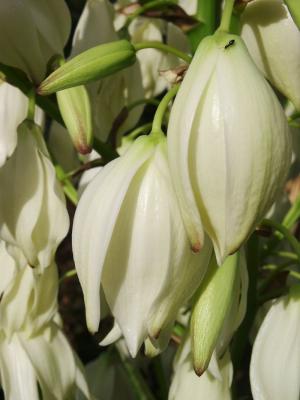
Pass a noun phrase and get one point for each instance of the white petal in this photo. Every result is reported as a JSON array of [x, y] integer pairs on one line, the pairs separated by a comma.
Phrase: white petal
[[232, 164], [35, 219], [273, 40], [275, 361], [18, 377], [95, 218], [31, 33], [53, 361], [188, 386], [181, 120]]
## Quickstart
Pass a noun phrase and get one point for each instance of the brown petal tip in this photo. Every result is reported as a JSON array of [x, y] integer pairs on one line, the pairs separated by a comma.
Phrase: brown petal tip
[[196, 247]]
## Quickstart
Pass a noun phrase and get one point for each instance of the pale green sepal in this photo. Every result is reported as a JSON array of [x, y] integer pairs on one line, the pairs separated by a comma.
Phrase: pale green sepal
[[211, 309], [74, 105], [91, 65], [294, 8]]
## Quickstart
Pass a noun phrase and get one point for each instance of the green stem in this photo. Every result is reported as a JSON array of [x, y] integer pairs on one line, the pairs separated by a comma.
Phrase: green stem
[[138, 131], [163, 47], [68, 274], [31, 104], [286, 233], [226, 16], [161, 109], [147, 7], [292, 215], [266, 282], [68, 187]]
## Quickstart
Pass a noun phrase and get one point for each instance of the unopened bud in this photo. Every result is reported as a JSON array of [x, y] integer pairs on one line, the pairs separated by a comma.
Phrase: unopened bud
[[75, 108], [91, 65], [211, 309]]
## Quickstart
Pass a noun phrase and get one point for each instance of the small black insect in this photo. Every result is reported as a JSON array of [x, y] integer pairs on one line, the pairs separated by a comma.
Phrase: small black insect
[[230, 43]]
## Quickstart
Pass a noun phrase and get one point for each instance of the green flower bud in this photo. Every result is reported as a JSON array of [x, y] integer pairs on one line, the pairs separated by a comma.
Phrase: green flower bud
[[91, 65], [75, 108], [214, 302]]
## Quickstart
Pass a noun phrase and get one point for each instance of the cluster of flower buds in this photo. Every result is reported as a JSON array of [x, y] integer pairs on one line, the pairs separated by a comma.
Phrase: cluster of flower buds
[[160, 230]]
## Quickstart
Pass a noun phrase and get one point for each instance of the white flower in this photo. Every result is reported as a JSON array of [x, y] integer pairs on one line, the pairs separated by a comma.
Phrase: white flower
[[275, 361], [273, 40], [33, 215], [31, 32], [13, 109], [109, 95], [229, 145], [128, 234], [46, 360], [186, 385]]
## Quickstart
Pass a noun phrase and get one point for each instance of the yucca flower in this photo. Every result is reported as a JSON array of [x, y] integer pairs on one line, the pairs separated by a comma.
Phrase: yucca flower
[[128, 235], [31, 33], [229, 145], [33, 214], [273, 40]]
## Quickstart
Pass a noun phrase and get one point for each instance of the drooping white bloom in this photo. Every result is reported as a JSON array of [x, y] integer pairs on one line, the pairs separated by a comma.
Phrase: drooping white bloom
[[273, 40], [13, 109], [33, 215], [109, 95], [275, 361], [188, 386], [128, 234], [229, 145], [31, 32], [33, 348], [45, 359]]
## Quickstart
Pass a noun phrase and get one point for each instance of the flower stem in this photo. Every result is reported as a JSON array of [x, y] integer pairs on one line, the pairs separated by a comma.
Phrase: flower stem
[[31, 104], [226, 16], [286, 233], [148, 6], [161, 109], [163, 47]]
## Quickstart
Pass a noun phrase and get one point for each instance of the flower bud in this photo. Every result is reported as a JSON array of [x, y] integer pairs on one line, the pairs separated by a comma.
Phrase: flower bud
[[36, 219], [273, 40], [128, 235], [31, 32], [74, 105], [229, 145], [219, 291], [91, 65], [275, 360]]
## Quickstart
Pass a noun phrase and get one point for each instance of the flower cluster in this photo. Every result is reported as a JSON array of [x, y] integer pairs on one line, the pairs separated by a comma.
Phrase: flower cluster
[[185, 129]]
